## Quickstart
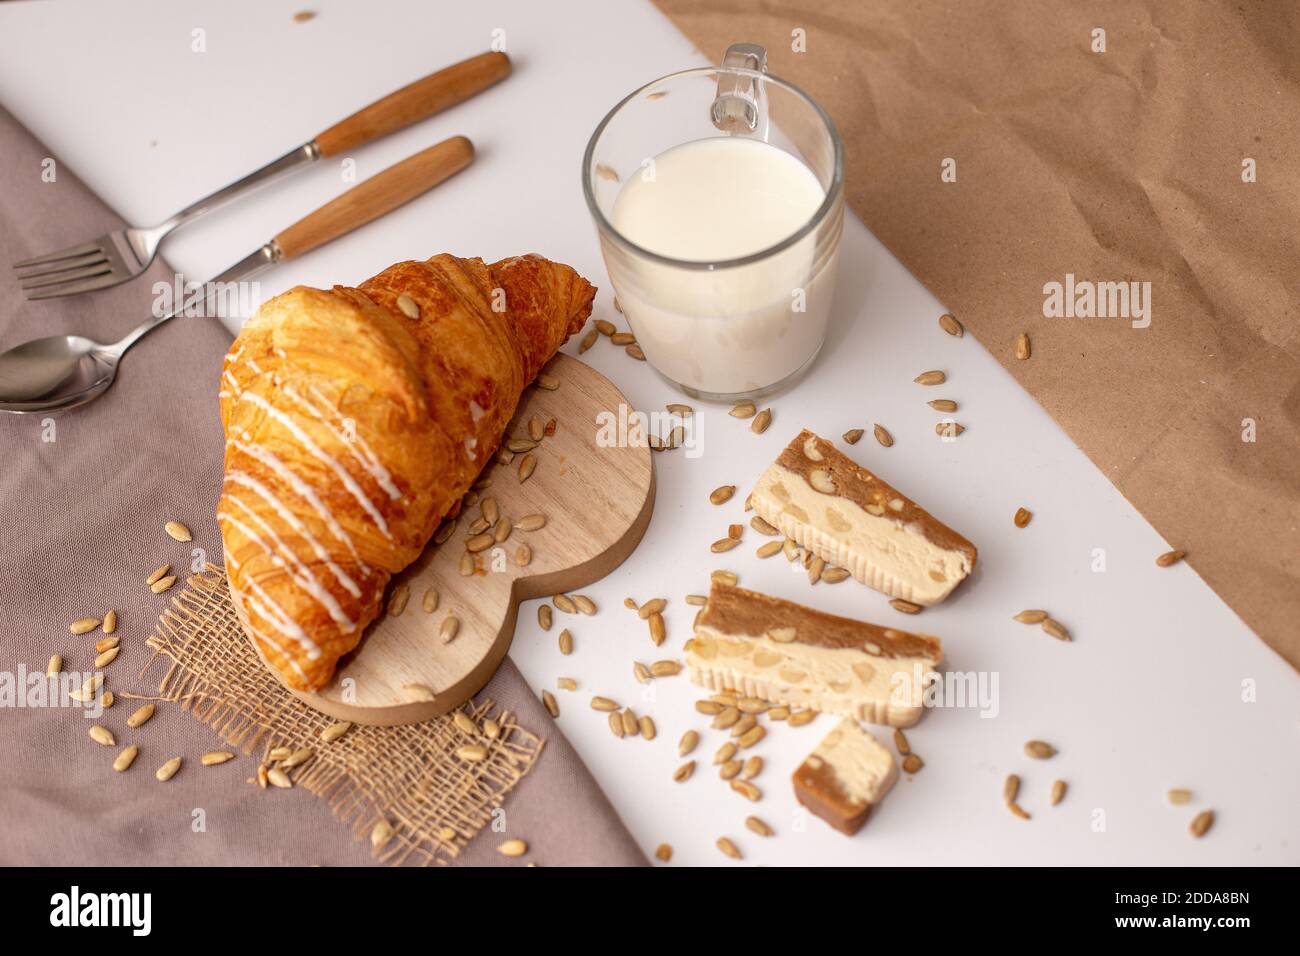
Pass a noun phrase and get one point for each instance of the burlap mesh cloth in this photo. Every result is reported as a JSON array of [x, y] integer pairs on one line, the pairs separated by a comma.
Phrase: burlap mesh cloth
[[408, 776]]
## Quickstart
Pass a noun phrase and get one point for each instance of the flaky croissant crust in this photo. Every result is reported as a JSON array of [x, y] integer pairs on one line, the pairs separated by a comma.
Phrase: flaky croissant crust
[[354, 422]]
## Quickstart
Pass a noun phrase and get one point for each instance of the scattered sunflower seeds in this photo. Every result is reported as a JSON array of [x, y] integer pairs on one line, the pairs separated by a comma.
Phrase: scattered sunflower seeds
[[1056, 629], [127, 757], [728, 848], [722, 494], [905, 607], [141, 716], [1170, 557], [552, 705], [663, 852], [1022, 346], [683, 773], [178, 531], [690, 740], [1039, 750], [102, 736], [1201, 823], [934, 377], [215, 757], [759, 826], [948, 322], [882, 435], [943, 405], [168, 770], [566, 642], [544, 616], [1023, 517], [851, 437], [1031, 616], [334, 731], [1058, 791], [84, 626], [761, 421], [1178, 797]]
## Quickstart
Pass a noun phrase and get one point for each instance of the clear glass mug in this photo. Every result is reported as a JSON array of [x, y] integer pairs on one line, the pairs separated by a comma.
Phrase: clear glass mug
[[737, 328]]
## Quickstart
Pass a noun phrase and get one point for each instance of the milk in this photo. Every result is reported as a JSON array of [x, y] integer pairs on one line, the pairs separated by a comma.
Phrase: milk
[[728, 330]]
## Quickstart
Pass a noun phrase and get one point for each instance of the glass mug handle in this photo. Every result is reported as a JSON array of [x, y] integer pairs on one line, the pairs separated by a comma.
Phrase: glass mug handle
[[740, 107]]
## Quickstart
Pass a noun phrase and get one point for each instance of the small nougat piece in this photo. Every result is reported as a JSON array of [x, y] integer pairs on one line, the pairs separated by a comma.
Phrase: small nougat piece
[[848, 774], [847, 516], [792, 655]]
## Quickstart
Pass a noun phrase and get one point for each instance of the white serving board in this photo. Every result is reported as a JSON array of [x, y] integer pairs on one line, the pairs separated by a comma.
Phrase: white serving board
[[1150, 695]]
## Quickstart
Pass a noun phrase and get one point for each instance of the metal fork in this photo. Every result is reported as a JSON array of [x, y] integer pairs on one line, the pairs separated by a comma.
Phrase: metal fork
[[123, 254]]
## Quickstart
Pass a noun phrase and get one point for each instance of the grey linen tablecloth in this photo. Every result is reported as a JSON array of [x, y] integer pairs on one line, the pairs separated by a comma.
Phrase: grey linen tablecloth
[[83, 497]]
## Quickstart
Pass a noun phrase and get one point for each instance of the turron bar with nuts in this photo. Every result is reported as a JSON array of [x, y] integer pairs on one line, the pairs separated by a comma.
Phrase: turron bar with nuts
[[849, 517], [848, 774], [790, 655]]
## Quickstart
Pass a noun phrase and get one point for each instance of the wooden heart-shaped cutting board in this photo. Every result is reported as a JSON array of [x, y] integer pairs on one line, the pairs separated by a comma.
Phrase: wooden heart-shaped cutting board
[[596, 496]]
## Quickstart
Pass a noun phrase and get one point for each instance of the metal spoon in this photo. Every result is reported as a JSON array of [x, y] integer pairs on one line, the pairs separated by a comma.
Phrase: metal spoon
[[64, 371]]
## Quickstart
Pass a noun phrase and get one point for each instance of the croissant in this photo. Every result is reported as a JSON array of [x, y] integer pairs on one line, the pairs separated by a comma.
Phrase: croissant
[[355, 420]]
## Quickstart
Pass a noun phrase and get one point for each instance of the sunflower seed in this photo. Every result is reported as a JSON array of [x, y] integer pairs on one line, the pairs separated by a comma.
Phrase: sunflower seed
[[126, 758], [690, 740], [723, 545], [334, 731], [905, 607], [551, 704], [943, 405], [728, 848], [527, 465], [730, 769], [520, 445], [652, 606], [743, 725], [397, 603], [566, 683], [696, 600], [663, 852], [1039, 750], [724, 577], [449, 629], [753, 767], [658, 631], [603, 704], [161, 585], [631, 726], [531, 522], [678, 409], [948, 429], [107, 699], [912, 763], [768, 549], [708, 707], [279, 753], [1058, 791], [472, 753], [882, 435], [815, 568], [214, 757], [419, 692], [430, 600], [55, 665], [479, 542], [779, 713], [622, 339], [168, 770], [141, 716], [665, 668], [468, 565], [566, 642], [648, 729], [727, 718], [492, 730], [1031, 616], [605, 327], [107, 643], [722, 494], [747, 790], [1170, 557], [1201, 823], [948, 322], [294, 759], [544, 617], [565, 603], [382, 831], [1056, 629], [178, 531], [683, 773], [852, 436], [444, 531], [158, 574], [102, 736], [278, 778], [106, 658], [761, 421], [901, 742], [1179, 796], [1018, 810], [88, 690], [408, 306], [584, 604], [513, 848], [261, 776], [931, 378], [1010, 788], [751, 736], [588, 340], [616, 724], [548, 382], [1022, 517], [634, 350], [1022, 346], [84, 626], [743, 410], [800, 717]]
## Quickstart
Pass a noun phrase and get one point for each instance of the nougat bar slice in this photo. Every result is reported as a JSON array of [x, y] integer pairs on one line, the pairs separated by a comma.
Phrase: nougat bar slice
[[849, 517], [784, 653], [848, 774]]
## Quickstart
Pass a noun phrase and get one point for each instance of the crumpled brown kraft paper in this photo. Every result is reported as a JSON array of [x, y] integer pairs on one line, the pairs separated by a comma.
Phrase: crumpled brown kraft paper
[[1124, 165]]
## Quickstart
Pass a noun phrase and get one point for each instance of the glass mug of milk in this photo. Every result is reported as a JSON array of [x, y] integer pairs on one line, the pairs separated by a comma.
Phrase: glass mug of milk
[[718, 195]]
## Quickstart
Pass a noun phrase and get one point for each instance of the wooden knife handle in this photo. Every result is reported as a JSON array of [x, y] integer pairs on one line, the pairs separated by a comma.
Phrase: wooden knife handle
[[415, 102], [377, 196]]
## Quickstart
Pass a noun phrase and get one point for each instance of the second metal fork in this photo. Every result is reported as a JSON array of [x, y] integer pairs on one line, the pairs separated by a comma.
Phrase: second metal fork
[[124, 253]]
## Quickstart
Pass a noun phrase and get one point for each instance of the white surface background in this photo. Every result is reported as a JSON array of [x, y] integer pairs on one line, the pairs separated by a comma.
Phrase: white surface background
[[1148, 697]]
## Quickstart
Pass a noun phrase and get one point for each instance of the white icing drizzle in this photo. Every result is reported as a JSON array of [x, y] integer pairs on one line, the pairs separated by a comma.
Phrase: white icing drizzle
[[231, 379], [283, 623], [253, 605], [303, 576], [368, 460], [475, 411], [330, 461], [293, 521], [304, 491]]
